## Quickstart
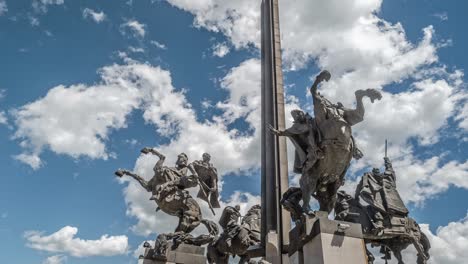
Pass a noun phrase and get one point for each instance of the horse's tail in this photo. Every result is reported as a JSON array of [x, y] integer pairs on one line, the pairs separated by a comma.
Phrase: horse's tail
[[426, 244], [211, 226]]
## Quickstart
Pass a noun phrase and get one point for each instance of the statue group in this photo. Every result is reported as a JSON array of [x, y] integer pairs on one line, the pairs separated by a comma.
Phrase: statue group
[[169, 189], [324, 147]]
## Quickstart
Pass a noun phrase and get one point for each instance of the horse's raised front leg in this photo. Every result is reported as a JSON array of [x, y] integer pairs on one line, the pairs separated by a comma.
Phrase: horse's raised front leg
[[354, 116]]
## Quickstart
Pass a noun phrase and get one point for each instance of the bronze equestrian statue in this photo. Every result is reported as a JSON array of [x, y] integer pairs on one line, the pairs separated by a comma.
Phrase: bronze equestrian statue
[[168, 188], [384, 217], [324, 144]]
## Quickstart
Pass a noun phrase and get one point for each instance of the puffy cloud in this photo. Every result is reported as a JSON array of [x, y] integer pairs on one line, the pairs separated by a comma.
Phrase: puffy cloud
[[40, 6], [57, 259], [138, 29], [3, 118], [339, 36], [3, 115], [64, 241], [462, 116], [420, 180], [449, 243], [77, 120], [238, 20], [51, 122], [220, 50], [136, 50], [159, 45], [97, 17], [443, 16], [33, 160], [3, 7]]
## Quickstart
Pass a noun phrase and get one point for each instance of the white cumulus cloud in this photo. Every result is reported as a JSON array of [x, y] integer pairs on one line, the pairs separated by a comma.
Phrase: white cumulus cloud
[[77, 120], [65, 241], [42, 5], [138, 29], [3, 118], [220, 50], [97, 17], [56, 259], [3, 7], [159, 45], [238, 20]]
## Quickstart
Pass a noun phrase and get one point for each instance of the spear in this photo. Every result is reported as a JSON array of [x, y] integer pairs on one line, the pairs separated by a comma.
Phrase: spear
[[385, 147]]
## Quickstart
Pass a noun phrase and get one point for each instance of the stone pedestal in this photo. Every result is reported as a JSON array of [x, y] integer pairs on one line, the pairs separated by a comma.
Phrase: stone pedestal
[[184, 254], [322, 241]]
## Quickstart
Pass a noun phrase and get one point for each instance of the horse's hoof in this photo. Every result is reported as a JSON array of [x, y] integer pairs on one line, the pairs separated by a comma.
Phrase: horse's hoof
[[310, 213]]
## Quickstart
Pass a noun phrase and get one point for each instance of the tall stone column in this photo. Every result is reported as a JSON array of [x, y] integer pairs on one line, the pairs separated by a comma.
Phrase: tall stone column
[[276, 222]]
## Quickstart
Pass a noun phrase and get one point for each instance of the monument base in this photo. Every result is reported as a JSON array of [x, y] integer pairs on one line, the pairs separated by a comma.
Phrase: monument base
[[319, 240], [184, 254]]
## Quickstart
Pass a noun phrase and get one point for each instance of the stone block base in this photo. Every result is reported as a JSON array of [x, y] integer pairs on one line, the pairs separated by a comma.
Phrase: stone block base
[[184, 254], [324, 241]]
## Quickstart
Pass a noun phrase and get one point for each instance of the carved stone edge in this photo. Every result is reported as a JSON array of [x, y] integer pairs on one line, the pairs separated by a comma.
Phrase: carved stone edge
[[310, 227]]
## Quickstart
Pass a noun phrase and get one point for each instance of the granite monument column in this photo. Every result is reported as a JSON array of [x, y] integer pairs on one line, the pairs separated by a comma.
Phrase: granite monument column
[[275, 221]]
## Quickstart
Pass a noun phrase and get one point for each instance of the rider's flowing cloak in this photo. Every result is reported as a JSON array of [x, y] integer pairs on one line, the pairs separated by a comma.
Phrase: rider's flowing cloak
[[304, 137], [209, 176]]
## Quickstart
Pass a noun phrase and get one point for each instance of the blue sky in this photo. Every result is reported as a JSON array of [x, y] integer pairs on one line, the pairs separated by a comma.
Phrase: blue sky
[[86, 84]]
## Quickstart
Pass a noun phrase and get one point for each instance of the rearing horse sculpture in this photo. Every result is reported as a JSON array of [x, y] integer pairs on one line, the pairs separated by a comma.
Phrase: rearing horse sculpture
[[324, 144], [168, 187]]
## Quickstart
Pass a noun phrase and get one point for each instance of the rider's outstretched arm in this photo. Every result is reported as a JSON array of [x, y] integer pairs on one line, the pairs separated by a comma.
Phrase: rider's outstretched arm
[[160, 162]]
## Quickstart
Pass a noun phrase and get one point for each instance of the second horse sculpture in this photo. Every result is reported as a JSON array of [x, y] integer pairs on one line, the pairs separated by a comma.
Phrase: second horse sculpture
[[383, 216], [324, 144], [236, 238], [168, 188]]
